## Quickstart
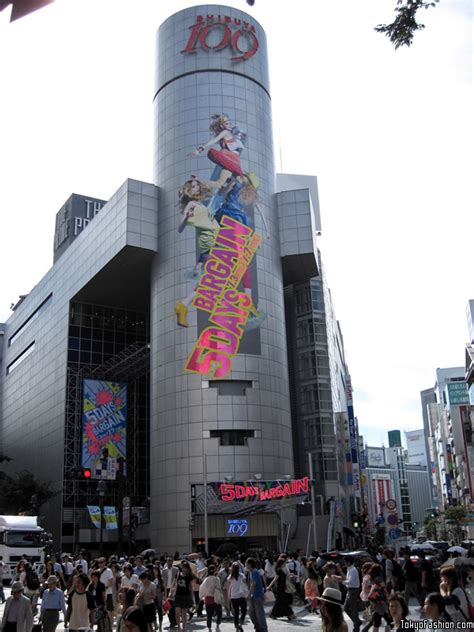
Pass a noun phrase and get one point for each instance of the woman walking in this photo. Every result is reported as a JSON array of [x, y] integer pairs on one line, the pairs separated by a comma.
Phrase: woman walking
[[457, 605], [182, 595], [311, 589], [146, 600], [397, 606], [331, 611], [435, 610], [211, 592], [333, 577], [238, 592], [378, 599], [160, 590], [283, 594]]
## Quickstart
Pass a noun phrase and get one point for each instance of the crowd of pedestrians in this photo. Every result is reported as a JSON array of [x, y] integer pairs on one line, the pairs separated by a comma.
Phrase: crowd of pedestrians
[[136, 594]]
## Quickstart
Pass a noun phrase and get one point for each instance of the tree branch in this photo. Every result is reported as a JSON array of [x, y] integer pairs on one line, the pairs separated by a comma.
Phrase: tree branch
[[402, 30]]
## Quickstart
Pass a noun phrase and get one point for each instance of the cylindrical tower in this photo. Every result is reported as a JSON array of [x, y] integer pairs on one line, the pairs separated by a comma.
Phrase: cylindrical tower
[[229, 402]]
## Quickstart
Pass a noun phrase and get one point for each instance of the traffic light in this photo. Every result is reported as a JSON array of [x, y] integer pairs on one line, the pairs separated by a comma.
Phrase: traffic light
[[355, 525], [86, 473]]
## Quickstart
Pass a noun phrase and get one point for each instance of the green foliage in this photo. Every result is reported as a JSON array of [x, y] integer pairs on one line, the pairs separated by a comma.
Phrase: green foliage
[[402, 30], [456, 514], [455, 519], [431, 527], [23, 493]]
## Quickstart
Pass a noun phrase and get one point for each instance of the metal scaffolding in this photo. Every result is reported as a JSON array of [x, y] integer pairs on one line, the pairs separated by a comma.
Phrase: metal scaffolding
[[131, 365]]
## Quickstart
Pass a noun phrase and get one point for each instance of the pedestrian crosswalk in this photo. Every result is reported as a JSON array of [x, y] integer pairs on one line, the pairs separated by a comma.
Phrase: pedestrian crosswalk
[[304, 621]]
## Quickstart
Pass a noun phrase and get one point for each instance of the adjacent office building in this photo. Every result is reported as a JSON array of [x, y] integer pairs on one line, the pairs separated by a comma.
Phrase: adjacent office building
[[398, 491]]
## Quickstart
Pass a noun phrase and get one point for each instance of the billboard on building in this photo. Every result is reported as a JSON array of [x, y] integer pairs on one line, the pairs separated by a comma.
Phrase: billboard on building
[[254, 491], [394, 439], [382, 491], [458, 394], [416, 447], [221, 206], [104, 422], [353, 438], [375, 457]]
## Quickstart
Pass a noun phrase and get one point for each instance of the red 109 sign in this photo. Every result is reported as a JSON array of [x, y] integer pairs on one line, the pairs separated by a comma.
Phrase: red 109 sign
[[231, 33]]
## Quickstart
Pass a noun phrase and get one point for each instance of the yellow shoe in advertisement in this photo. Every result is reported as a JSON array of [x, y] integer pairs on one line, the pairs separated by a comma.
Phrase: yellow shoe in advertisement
[[181, 312]]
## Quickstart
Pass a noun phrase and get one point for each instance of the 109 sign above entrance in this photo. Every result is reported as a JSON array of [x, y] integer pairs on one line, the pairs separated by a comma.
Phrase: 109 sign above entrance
[[216, 32]]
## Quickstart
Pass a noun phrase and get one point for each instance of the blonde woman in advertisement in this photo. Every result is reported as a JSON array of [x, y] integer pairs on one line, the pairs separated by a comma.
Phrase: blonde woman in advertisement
[[196, 215]]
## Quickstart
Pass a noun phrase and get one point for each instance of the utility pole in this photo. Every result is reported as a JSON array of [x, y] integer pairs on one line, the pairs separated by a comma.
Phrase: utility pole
[[206, 532], [313, 500], [121, 497]]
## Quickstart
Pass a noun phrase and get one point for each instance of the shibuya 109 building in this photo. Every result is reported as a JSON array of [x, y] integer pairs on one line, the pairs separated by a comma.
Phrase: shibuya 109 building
[[148, 374]]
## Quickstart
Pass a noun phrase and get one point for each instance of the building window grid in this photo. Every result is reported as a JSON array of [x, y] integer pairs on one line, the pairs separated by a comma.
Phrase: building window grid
[[20, 358], [31, 319], [98, 333]]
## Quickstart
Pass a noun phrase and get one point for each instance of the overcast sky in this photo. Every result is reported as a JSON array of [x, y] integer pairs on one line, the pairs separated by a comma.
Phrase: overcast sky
[[388, 133]]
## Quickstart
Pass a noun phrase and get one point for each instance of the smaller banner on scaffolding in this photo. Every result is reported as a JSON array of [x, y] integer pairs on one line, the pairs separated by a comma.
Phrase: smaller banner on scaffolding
[[94, 513], [110, 517]]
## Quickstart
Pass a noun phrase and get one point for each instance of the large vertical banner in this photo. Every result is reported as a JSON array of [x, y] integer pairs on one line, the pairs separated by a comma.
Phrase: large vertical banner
[[221, 209], [353, 438], [104, 422]]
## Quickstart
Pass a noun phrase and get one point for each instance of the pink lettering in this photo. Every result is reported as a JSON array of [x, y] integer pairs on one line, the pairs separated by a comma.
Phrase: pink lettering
[[213, 338], [203, 303], [210, 363], [233, 324], [227, 492]]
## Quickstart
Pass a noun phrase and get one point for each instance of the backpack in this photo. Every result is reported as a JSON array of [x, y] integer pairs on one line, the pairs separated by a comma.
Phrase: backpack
[[412, 574], [470, 607], [397, 569], [32, 580]]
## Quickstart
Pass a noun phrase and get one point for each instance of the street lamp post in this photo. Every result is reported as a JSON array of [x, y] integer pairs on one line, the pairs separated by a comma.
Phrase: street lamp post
[[206, 532], [313, 500], [101, 489]]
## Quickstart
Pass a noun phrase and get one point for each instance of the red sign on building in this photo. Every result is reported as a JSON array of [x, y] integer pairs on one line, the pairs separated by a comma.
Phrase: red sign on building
[[262, 491], [227, 32]]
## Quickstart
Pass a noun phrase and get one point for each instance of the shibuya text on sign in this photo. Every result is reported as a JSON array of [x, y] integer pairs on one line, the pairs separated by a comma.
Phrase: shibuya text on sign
[[217, 294], [216, 32]]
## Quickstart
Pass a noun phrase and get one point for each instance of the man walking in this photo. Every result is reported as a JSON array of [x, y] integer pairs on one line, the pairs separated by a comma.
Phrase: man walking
[[107, 578], [257, 593], [170, 573], [352, 583], [52, 604], [17, 616], [2, 571], [81, 604]]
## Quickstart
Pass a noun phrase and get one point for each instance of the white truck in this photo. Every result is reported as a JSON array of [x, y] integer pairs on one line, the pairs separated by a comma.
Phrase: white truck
[[21, 537]]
